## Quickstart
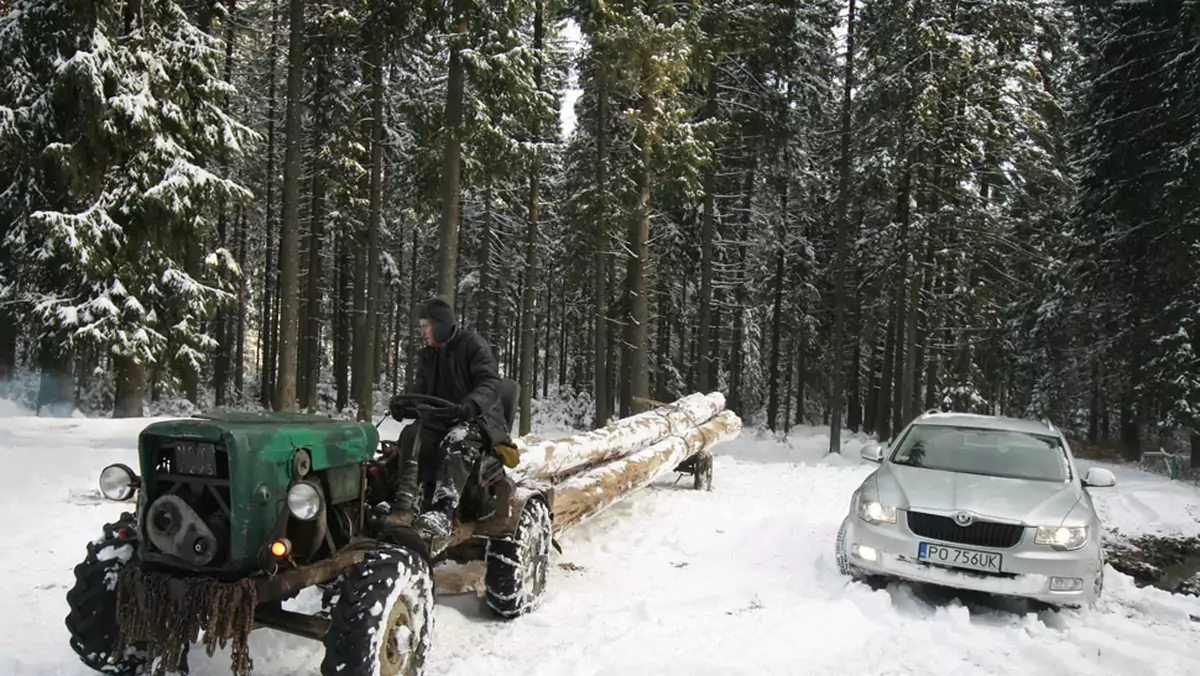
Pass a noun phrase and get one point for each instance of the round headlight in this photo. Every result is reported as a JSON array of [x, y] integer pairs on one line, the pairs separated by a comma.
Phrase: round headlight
[[304, 501], [117, 482]]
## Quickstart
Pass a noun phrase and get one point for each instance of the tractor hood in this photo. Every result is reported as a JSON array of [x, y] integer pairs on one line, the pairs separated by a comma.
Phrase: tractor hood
[[214, 487]]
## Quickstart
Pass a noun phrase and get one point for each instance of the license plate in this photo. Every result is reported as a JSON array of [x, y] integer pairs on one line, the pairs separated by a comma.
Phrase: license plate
[[959, 558], [196, 459]]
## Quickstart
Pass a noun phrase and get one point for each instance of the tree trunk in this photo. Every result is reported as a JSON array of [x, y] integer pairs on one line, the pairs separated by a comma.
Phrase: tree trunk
[[342, 336], [267, 329], [130, 385], [705, 358], [57, 388], [239, 366], [801, 374], [529, 297], [601, 362], [883, 417], [874, 379], [187, 368], [289, 249], [310, 369], [394, 340], [614, 339], [637, 329], [223, 362], [412, 309], [547, 332], [737, 358], [483, 320], [910, 351], [787, 386], [1094, 409], [589, 493], [837, 404], [854, 420], [562, 339], [364, 349], [776, 330], [8, 346], [903, 212], [451, 168]]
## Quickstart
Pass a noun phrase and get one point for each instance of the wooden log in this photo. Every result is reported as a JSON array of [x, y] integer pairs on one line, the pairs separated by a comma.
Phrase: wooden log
[[556, 459], [585, 495]]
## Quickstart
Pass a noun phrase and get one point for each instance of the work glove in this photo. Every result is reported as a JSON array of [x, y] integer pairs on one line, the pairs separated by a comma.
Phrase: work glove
[[400, 411], [460, 412]]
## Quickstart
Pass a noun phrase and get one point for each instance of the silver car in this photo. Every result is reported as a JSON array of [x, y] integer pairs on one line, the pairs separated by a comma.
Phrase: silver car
[[978, 502]]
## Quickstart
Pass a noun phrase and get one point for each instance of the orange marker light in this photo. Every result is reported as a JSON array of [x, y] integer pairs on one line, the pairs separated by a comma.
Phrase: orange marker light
[[280, 548]]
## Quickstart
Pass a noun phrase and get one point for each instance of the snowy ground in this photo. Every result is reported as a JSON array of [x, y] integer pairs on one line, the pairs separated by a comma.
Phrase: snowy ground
[[673, 581]]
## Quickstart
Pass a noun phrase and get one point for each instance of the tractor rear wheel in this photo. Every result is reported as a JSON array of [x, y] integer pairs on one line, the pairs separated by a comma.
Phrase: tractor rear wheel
[[517, 567], [381, 623], [92, 620]]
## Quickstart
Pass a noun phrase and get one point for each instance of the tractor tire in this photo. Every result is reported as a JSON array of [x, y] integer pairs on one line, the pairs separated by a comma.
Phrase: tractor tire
[[381, 623], [92, 619], [517, 568]]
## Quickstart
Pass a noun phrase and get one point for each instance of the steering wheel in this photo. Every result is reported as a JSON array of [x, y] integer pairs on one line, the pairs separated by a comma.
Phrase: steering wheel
[[423, 405]]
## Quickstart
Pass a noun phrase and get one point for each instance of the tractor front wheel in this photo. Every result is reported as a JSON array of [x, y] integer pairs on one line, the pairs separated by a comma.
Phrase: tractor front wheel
[[517, 567], [92, 620], [381, 623]]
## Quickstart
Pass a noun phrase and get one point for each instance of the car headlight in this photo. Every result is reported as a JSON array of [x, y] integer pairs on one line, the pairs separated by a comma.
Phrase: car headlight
[[118, 482], [304, 501], [1062, 537], [876, 512]]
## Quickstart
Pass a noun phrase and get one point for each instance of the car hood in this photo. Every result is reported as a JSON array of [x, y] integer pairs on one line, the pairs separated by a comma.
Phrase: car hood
[[1034, 503]]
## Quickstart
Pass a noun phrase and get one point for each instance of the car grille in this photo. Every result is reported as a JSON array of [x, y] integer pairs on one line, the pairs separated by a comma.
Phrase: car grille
[[979, 533]]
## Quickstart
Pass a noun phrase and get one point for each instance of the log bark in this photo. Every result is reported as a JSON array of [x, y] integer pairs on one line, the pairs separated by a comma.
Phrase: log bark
[[556, 459], [584, 496]]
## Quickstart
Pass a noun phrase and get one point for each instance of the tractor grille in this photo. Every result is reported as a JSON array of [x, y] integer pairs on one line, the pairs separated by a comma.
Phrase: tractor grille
[[196, 472], [979, 533]]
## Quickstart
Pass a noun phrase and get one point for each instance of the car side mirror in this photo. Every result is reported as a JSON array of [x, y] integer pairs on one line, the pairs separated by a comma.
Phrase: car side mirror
[[1098, 477], [872, 452]]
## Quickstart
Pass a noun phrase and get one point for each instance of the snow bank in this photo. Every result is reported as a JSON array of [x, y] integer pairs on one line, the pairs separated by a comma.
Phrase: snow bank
[[1143, 503], [803, 445], [671, 582], [11, 409]]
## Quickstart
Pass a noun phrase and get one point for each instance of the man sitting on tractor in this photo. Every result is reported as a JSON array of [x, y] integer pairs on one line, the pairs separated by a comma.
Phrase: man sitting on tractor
[[457, 365]]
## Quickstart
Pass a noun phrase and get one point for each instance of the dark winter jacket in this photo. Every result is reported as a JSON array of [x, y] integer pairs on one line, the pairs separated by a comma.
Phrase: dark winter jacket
[[464, 372]]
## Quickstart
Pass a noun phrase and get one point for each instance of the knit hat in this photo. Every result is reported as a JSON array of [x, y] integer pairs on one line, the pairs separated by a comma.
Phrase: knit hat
[[440, 314]]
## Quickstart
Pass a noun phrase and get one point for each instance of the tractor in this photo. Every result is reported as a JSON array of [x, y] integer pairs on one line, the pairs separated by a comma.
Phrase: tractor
[[238, 513]]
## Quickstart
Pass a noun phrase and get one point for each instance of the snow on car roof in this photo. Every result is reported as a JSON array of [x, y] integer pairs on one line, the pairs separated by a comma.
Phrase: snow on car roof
[[991, 422]]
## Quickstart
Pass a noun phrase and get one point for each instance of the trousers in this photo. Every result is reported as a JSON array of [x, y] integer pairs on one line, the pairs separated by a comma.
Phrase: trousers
[[432, 468]]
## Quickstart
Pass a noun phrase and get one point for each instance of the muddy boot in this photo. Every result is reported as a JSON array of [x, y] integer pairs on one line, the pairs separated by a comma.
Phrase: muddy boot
[[399, 514], [434, 527]]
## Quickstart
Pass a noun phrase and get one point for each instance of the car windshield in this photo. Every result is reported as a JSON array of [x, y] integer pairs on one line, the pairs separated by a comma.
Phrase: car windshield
[[999, 453]]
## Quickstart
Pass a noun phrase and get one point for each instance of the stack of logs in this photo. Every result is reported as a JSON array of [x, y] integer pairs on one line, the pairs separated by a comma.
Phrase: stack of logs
[[593, 470]]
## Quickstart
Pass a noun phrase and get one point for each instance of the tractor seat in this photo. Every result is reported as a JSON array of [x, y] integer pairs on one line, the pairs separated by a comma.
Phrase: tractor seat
[[490, 466], [509, 392]]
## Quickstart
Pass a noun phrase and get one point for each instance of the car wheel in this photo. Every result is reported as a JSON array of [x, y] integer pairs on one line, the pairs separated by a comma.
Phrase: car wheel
[[843, 561]]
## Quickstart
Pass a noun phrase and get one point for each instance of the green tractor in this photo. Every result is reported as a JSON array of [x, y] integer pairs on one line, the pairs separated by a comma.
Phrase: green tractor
[[238, 513]]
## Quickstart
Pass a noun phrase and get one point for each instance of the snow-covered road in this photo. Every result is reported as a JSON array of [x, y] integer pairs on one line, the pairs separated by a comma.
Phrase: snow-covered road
[[673, 581]]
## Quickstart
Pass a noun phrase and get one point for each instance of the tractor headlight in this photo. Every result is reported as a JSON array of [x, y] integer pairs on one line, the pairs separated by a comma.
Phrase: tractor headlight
[[304, 501], [118, 482], [1062, 537]]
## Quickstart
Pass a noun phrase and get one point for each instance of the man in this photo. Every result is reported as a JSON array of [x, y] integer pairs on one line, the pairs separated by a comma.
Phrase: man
[[456, 365]]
